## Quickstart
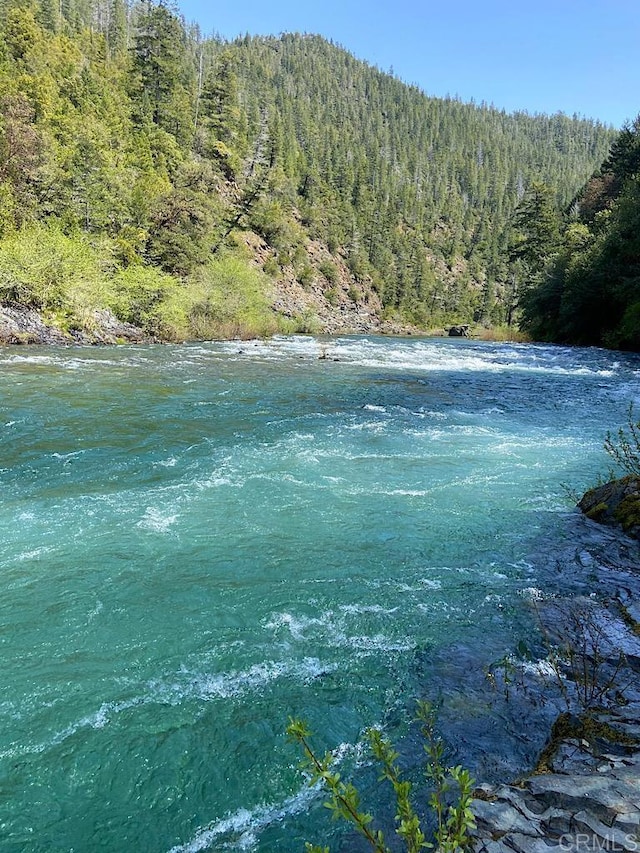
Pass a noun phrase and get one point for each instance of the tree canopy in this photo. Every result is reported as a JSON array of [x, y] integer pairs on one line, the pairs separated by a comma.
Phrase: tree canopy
[[589, 292]]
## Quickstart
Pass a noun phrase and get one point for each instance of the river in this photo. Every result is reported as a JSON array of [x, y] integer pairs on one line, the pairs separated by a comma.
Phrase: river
[[200, 541]]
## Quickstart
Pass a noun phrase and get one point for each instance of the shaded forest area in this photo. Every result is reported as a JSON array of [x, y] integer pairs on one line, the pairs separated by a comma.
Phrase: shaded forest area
[[582, 265], [181, 181]]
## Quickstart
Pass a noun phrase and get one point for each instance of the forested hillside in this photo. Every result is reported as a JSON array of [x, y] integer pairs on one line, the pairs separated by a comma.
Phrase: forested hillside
[[584, 281], [200, 188]]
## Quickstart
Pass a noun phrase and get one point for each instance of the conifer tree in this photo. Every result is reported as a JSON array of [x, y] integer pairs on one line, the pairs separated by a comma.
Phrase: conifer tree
[[117, 27], [538, 221], [157, 69]]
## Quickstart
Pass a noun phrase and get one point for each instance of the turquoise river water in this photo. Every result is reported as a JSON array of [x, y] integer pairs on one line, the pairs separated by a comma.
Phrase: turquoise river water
[[197, 542]]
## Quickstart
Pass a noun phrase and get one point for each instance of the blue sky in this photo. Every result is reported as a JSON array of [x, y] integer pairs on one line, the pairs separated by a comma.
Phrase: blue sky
[[579, 56]]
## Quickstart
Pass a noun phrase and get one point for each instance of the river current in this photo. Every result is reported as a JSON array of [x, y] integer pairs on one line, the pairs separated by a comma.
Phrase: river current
[[198, 542]]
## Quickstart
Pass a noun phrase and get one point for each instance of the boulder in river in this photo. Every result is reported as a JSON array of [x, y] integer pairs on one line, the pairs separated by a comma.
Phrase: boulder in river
[[616, 503]]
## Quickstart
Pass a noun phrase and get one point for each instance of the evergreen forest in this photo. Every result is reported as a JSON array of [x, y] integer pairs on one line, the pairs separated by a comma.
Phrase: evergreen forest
[[185, 183], [583, 285]]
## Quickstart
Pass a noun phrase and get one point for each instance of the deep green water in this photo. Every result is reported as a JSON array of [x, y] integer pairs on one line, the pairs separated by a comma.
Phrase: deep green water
[[198, 542]]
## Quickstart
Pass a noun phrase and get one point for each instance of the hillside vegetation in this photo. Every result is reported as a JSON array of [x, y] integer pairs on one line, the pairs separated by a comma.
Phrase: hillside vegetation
[[584, 280], [198, 188]]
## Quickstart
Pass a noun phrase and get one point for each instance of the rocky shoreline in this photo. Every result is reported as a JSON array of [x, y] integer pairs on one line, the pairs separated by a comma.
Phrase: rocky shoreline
[[615, 503], [584, 794], [26, 326]]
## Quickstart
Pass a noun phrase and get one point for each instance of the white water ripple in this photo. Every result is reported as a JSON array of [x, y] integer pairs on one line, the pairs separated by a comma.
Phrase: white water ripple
[[185, 685], [245, 823], [240, 830]]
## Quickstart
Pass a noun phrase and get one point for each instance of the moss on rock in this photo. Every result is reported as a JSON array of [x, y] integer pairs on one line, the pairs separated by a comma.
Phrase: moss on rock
[[597, 511], [585, 727], [616, 503], [628, 512]]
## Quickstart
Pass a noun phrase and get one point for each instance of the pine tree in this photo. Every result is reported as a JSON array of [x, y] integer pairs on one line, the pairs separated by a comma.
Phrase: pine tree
[[157, 68], [220, 106], [537, 225], [117, 30]]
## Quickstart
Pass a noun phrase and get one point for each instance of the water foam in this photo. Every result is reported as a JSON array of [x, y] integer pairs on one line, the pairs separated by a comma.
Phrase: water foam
[[156, 520], [171, 462], [235, 683], [422, 356], [34, 553], [240, 830], [96, 720], [368, 608], [333, 631], [183, 686], [244, 824], [379, 643]]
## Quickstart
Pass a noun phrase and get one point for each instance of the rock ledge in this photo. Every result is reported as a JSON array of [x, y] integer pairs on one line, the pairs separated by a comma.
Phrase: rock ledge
[[590, 802], [615, 503], [26, 326]]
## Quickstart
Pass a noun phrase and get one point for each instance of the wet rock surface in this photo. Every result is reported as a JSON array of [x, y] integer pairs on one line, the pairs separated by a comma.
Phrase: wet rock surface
[[590, 801], [584, 794], [616, 503]]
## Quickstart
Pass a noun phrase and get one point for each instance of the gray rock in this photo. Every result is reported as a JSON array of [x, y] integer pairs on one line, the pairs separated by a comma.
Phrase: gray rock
[[501, 817], [26, 326], [612, 837], [526, 844], [609, 504], [591, 799]]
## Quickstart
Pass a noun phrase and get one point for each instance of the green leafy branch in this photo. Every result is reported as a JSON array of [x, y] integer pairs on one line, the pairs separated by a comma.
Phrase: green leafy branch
[[454, 819], [624, 446], [345, 799]]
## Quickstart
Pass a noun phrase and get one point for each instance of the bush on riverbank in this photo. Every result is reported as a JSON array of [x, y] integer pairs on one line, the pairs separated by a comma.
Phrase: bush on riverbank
[[68, 278], [624, 445], [617, 502]]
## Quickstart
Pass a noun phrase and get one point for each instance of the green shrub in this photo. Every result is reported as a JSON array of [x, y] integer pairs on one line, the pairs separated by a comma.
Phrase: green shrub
[[148, 298], [331, 295], [231, 299], [624, 446], [270, 220], [358, 265], [7, 208], [271, 267], [299, 257], [330, 271], [179, 232], [627, 335], [41, 268], [306, 275], [307, 323]]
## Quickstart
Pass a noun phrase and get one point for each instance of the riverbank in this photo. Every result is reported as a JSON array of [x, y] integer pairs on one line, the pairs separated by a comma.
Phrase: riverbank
[[27, 326], [19, 325], [584, 793]]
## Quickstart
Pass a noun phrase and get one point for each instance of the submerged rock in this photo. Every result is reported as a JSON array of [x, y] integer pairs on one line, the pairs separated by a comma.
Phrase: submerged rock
[[615, 503]]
